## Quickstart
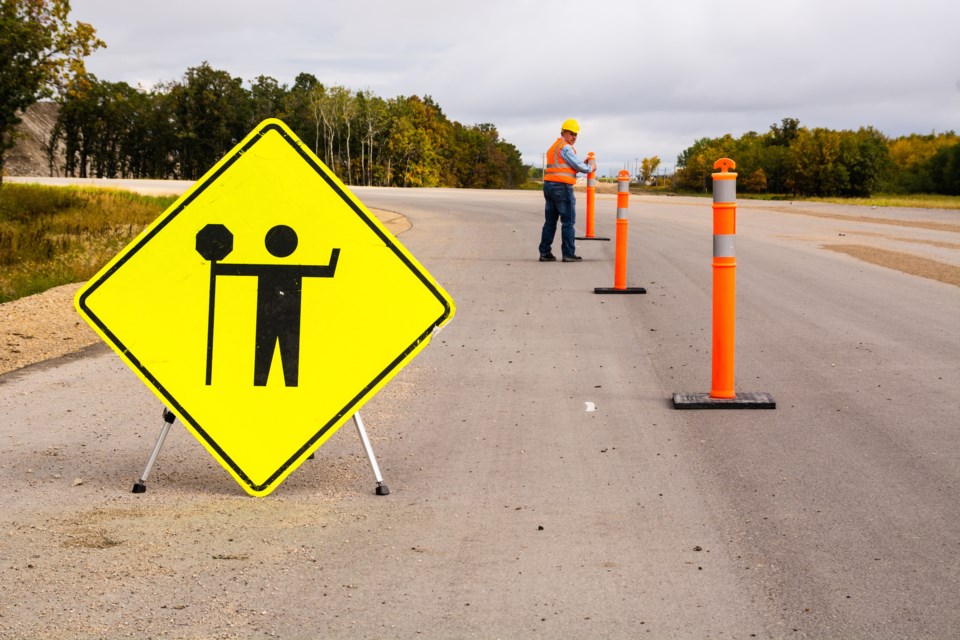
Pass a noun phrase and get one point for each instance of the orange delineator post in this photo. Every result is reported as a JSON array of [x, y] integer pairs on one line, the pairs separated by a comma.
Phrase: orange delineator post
[[623, 203], [722, 394], [591, 198], [591, 191], [620, 256], [724, 278]]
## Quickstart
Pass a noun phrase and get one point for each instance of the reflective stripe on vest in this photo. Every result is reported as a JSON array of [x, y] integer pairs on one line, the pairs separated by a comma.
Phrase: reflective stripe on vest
[[557, 170]]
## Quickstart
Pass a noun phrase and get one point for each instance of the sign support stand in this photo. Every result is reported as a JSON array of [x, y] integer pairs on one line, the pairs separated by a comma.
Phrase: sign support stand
[[382, 489], [140, 486]]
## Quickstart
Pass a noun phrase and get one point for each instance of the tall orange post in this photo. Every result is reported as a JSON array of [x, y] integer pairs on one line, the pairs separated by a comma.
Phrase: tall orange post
[[591, 198], [620, 255], [724, 278], [722, 394]]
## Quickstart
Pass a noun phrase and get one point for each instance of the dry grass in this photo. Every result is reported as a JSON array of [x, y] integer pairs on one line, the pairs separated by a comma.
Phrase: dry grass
[[57, 235], [917, 200]]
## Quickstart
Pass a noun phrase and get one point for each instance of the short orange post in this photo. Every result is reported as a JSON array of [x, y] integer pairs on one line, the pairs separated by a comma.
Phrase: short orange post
[[620, 256], [591, 198], [591, 191], [722, 394], [724, 278]]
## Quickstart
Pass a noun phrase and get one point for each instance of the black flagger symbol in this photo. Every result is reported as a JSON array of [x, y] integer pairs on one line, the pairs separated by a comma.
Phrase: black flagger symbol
[[279, 297]]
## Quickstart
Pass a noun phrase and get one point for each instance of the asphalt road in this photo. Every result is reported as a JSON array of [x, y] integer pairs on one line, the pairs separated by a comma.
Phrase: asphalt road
[[544, 486]]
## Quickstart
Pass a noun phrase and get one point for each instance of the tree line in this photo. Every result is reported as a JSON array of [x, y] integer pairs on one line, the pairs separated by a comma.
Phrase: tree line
[[791, 159], [181, 128]]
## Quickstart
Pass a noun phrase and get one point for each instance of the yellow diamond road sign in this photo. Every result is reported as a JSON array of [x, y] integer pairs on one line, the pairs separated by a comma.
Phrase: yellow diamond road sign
[[265, 306]]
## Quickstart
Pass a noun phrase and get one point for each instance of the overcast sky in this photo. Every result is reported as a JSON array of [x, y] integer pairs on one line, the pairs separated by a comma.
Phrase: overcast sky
[[643, 78]]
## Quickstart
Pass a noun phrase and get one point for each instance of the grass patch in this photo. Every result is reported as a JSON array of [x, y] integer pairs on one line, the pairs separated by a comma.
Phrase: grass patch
[[919, 200], [530, 185], [51, 236]]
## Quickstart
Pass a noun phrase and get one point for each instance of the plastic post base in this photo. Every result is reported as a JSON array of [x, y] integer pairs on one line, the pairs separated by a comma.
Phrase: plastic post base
[[139, 488], [614, 290], [741, 401], [382, 489]]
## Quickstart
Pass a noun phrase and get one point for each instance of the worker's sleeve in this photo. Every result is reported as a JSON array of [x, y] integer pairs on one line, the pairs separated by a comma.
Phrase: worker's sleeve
[[571, 159]]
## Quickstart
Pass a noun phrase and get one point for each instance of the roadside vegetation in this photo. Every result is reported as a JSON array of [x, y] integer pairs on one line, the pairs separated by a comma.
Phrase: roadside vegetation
[[918, 200], [181, 128], [51, 236], [823, 163]]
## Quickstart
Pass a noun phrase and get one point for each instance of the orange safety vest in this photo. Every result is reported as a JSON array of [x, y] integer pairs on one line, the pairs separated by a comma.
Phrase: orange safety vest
[[557, 170]]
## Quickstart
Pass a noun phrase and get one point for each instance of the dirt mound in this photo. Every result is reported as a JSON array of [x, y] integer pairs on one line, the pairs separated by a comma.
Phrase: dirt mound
[[29, 157]]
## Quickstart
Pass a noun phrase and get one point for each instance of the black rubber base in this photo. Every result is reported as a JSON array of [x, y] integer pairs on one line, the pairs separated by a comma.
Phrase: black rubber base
[[139, 488], [383, 490], [593, 238], [741, 401], [612, 290]]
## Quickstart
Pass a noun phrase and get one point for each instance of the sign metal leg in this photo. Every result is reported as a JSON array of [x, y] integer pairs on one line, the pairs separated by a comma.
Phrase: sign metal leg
[[141, 485], [382, 489]]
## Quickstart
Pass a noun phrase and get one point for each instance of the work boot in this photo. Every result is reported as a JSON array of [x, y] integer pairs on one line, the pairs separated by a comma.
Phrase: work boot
[[548, 257], [572, 258]]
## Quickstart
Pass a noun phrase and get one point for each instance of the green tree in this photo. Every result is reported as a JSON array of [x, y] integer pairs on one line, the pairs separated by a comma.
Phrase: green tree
[[296, 107], [39, 50], [77, 123], [695, 164], [753, 182], [478, 158], [372, 121], [648, 168], [784, 134], [909, 161], [417, 142], [267, 99], [794, 159], [102, 128], [866, 158], [944, 169], [211, 112]]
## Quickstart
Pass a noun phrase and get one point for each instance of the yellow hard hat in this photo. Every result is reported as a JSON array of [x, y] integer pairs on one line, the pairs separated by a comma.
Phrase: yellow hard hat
[[570, 125]]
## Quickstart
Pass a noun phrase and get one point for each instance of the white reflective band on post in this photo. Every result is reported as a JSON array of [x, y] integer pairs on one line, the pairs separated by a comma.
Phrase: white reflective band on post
[[723, 245], [591, 182], [724, 191], [623, 186]]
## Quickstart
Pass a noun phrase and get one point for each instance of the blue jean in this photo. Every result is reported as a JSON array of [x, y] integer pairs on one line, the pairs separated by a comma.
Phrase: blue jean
[[560, 204]]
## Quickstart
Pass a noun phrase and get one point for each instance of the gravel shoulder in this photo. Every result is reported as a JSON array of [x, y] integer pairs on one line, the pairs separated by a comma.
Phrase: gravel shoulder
[[42, 327]]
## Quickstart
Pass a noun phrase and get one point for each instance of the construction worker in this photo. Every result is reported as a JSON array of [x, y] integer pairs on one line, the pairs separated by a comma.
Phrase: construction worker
[[559, 176]]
